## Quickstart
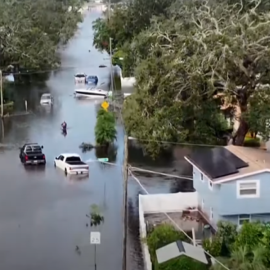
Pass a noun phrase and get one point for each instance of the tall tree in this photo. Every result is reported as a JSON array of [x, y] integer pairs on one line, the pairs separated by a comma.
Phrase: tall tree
[[202, 58], [32, 30]]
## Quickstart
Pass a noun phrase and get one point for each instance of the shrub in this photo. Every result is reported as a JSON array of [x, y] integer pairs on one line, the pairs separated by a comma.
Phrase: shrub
[[163, 235], [213, 247], [105, 130], [252, 142]]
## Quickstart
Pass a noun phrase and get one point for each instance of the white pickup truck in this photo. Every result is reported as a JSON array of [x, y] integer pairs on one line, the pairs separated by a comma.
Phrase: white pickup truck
[[71, 164]]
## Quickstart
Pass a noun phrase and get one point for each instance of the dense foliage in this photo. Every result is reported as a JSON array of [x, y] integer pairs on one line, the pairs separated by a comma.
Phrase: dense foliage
[[105, 130], [194, 62], [31, 31], [246, 249], [163, 235]]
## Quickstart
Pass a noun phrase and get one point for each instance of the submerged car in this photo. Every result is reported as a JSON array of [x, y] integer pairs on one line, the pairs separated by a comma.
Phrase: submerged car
[[92, 80], [31, 153], [46, 99], [80, 78]]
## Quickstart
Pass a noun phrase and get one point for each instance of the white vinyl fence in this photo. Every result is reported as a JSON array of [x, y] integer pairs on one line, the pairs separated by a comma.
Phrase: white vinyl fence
[[160, 203]]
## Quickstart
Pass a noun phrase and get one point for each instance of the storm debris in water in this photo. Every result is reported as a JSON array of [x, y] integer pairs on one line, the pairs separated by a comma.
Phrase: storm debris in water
[[77, 249]]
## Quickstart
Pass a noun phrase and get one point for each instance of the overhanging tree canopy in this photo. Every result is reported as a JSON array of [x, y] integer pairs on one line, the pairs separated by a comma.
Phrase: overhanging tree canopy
[[30, 31], [203, 58]]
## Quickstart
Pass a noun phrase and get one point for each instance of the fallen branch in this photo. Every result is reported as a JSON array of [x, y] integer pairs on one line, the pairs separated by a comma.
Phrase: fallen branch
[[86, 146]]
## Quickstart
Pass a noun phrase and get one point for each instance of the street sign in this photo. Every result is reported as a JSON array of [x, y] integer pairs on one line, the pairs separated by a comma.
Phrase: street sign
[[103, 159], [95, 238], [105, 105]]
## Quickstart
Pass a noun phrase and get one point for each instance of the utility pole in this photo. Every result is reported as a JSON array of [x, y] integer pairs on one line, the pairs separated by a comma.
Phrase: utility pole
[[111, 73], [111, 65], [1, 92], [125, 214], [109, 8]]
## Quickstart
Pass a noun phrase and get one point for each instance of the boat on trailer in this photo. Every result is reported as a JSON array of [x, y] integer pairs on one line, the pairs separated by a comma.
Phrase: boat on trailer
[[90, 93]]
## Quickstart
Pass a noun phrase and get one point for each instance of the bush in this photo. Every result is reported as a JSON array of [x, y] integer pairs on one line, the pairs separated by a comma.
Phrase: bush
[[213, 247], [252, 142], [105, 130], [163, 235]]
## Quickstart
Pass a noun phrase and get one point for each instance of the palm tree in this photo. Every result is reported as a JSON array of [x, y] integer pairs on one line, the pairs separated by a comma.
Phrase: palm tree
[[243, 259]]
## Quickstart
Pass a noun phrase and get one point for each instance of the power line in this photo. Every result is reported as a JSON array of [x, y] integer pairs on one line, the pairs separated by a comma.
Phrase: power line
[[175, 143], [175, 224], [54, 69], [187, 177]]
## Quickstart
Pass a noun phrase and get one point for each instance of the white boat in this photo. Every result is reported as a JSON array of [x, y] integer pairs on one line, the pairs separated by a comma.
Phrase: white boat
[[80, 78], [91, 93], [46, 99]]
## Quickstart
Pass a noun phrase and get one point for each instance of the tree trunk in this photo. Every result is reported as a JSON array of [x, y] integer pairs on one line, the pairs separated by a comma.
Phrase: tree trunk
[[241, 133]]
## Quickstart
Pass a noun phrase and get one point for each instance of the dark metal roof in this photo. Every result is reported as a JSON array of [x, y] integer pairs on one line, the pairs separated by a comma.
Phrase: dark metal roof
[[216, 162]]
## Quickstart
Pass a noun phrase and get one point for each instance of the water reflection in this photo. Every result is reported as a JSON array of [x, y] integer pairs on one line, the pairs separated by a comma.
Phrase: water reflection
[[110, 153], [38, 169], [135, 250]]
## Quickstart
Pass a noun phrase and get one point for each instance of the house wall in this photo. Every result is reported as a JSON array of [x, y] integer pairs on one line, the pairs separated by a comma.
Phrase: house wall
[[226, 205], [230, 204], [207, 196], [253, 218]]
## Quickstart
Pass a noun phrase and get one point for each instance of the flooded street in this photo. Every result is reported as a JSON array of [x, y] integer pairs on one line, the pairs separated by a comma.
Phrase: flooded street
[[42, 212]]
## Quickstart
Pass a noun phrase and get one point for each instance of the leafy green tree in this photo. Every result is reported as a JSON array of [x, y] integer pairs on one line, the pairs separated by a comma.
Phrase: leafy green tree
[[201, 51], [31, 32], [105, 130], [125, 23]]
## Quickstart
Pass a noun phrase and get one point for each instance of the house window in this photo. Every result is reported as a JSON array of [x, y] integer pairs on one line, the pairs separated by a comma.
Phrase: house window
[[201, 177], [243, 218], [210, 185], [248, 189], [211, 214]]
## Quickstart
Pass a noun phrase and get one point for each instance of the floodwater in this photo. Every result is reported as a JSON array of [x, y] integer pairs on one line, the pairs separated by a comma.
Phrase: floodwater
[[42, 212]]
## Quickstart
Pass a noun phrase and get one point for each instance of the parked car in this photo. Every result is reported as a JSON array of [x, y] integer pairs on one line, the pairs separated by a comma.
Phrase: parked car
[[92, 80], [80, 78], [31, 153], [46, 99], [71, 164]]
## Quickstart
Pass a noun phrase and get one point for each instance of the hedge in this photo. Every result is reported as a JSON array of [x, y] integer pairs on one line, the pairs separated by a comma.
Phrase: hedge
[[252, 142]]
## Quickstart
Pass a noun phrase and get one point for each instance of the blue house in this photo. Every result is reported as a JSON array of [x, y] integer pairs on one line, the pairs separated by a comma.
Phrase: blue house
[[233, 183]]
